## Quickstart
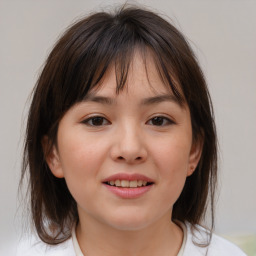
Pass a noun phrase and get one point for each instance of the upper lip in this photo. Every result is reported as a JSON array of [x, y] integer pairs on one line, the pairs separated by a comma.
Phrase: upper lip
[[128, 176]]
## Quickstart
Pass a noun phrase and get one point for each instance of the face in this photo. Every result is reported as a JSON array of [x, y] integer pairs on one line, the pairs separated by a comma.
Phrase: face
[[125, 157]]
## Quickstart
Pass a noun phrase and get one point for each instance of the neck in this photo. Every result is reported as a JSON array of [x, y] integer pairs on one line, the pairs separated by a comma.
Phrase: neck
[[161, 238]]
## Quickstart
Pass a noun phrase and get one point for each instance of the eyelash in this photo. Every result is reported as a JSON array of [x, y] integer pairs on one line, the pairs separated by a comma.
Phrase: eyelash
[[167, 121], [104, 121], [89, 121]]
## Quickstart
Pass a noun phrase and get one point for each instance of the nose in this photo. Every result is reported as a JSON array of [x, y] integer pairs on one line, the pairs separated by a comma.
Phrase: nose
[[129, 145]]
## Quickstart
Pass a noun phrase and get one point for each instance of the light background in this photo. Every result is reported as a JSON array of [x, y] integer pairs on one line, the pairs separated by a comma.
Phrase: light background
[[223, 35]]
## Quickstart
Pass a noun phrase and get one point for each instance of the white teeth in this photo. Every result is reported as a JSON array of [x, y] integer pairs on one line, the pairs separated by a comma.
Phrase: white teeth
[[133, 184], [128, 184], [118, 183], [124, 183], [139, 183]]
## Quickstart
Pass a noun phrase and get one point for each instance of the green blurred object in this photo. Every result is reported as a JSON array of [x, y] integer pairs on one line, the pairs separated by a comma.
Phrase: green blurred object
[[246, 242]]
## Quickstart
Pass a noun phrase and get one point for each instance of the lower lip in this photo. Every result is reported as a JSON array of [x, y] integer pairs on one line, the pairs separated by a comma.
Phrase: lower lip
[[128, 193]]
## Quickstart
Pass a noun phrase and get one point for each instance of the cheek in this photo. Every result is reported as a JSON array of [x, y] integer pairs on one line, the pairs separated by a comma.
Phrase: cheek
[[80, 153], [171, 159], [81, 160], [172, 154]]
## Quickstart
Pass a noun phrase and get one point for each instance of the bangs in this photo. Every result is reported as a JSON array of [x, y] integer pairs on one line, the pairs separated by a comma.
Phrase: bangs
[[112, 44]]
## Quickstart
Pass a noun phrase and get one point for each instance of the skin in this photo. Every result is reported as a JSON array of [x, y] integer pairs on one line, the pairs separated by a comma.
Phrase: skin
[[126, 139]]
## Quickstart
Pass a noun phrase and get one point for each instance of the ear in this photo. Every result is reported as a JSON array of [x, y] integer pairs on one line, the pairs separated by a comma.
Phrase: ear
[[52, 158], [195, 155]]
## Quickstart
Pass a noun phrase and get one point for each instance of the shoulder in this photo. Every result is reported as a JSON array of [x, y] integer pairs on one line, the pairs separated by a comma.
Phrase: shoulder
[[33, 246], [218, 246], [223, 247]]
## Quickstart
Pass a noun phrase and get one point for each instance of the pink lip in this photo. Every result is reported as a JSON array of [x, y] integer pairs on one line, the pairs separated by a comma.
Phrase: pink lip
[[128, 193], [128, 176]]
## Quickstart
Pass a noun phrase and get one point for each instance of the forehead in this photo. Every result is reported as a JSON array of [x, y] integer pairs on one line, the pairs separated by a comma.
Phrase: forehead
[[141, 76]]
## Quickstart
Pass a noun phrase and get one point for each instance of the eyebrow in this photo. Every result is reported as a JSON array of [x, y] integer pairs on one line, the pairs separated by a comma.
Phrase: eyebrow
[[146, 101], [99, 99], [160, 98]]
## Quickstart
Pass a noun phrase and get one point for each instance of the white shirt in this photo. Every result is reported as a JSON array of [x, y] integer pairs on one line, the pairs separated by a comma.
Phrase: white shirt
[[217, 247]]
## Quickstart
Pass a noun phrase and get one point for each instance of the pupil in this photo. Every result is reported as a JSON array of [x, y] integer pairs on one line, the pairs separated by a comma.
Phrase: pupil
[[157, 120], [97, 121]]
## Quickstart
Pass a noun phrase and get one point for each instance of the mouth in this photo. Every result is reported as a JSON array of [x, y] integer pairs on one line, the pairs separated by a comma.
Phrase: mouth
[[128, 183]]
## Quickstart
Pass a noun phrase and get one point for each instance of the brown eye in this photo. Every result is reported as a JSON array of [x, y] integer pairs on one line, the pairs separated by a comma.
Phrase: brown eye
[[160, 121], [96, 121]]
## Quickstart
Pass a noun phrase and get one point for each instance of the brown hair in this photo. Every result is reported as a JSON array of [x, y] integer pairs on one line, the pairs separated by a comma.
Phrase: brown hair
[[76, 64]]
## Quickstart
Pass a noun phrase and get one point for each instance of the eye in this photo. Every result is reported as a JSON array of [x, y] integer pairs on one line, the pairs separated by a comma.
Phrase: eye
[[160, 121], [96, 121]]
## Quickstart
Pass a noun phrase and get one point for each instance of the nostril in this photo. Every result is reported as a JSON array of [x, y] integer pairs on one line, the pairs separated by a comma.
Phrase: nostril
[[129, 159]]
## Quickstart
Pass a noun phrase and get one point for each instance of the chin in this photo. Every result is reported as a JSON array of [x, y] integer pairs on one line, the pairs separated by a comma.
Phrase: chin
[[130, 222]]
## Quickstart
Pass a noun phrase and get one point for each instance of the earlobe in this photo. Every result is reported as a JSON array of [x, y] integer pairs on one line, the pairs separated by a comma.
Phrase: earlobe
[[191, 170], [194, 157], [52, 157]]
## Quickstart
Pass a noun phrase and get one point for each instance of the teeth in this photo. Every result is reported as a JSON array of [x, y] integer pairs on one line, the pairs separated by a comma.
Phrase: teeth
[[118, 183], [133, 184], [139, 183], [127, 184]]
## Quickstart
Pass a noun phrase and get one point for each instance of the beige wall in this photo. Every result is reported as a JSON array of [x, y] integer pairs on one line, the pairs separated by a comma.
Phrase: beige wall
[[223, 34]]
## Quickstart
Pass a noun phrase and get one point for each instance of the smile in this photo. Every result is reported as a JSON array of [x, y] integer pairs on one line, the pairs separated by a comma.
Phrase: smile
[[128, 184]]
